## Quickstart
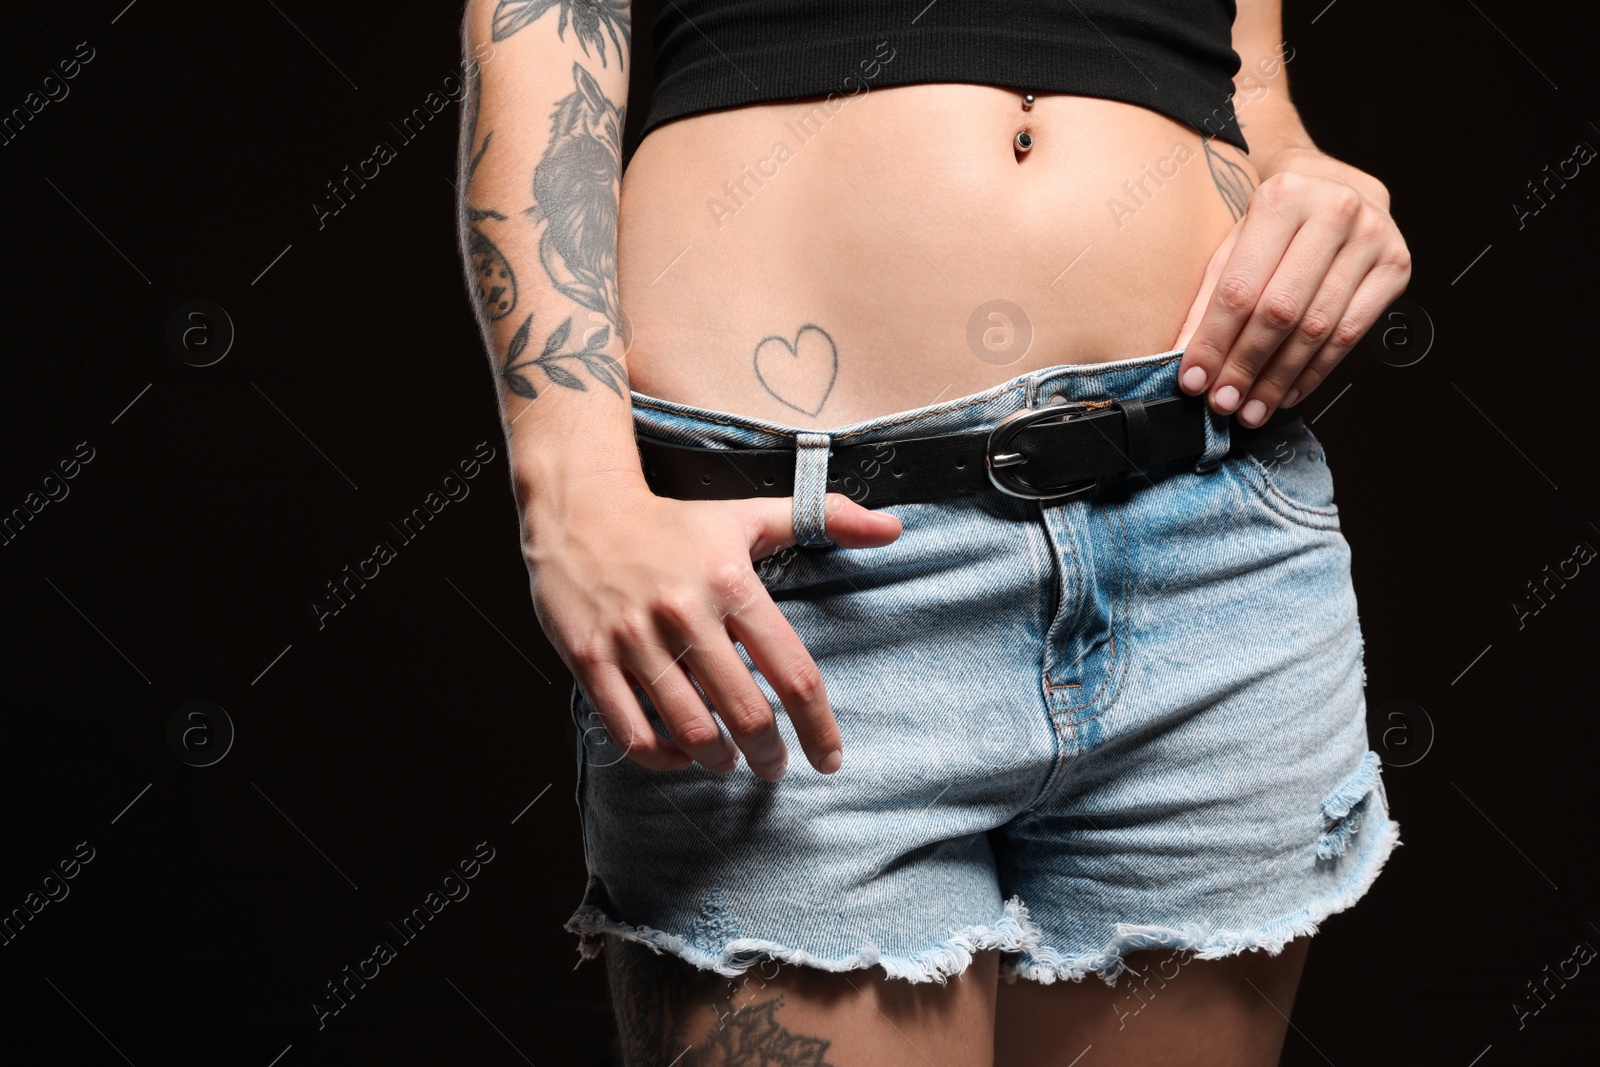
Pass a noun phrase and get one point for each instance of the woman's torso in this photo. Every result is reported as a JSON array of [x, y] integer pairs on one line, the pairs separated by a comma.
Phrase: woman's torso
[[816, 265]]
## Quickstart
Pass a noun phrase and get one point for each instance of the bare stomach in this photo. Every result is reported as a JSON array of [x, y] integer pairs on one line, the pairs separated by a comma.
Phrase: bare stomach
[[817, 267]]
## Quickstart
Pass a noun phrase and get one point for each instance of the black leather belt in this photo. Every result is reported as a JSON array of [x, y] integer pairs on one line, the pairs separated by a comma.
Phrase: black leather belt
[[1042, 453]]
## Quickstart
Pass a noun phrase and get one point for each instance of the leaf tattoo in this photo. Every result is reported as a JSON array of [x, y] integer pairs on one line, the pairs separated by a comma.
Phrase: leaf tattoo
[[575, 188], [589, 18], [602, 367], [1232, 180]]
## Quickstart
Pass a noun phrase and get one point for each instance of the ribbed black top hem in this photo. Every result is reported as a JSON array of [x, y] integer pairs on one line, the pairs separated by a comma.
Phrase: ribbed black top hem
[[733, 54]]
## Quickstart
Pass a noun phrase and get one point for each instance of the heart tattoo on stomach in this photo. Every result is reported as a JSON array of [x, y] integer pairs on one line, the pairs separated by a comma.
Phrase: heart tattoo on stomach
[[799, 375]]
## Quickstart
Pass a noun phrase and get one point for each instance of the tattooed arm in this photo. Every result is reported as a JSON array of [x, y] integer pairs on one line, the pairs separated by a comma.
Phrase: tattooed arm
[[1312, 261], [634, 591], [538, 220]]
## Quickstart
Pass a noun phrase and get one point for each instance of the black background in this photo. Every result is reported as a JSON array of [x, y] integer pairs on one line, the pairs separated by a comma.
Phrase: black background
[[379, 750]]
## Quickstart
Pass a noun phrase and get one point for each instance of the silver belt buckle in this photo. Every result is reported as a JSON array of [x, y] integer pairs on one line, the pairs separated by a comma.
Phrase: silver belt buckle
[[1001, 461]]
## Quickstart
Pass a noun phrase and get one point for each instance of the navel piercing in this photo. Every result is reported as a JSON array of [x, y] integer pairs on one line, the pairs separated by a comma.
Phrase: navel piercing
[[1024, 140]]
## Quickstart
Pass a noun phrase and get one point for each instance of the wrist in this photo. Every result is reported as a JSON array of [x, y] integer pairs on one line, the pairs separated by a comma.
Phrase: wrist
[[1285, 154], [553, 486], [1317, 163]]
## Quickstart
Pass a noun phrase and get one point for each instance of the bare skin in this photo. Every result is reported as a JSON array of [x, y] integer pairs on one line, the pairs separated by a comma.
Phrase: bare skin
[[1231, 1012], [848, 282], [1169, 1008], [786, 1016], [947, 222]]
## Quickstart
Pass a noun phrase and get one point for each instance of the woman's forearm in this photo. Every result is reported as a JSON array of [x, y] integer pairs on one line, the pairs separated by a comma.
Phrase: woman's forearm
[[1270, 121], [1275, 133], [540, 162]]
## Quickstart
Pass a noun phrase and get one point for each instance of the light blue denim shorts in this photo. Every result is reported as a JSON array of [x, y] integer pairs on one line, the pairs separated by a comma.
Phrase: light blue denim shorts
[[1072, 729]]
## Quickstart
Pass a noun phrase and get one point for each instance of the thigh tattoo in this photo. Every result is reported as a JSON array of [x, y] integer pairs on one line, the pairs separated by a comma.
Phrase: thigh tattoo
[[671, 1014]]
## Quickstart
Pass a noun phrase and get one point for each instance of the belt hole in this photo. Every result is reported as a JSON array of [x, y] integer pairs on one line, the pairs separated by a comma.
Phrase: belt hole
[[767, 480], [705, 479], [897, 472]]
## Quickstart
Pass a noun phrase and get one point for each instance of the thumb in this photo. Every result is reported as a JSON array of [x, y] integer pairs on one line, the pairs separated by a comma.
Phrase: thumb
[[849, 525], [1202, 299]]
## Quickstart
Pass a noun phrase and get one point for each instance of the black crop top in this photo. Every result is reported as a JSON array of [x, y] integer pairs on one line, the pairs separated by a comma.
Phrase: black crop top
[[1175, 57]]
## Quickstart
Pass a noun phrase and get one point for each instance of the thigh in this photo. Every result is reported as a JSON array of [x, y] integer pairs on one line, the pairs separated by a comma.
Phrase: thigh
[[670, 1013], [1168, 1007]]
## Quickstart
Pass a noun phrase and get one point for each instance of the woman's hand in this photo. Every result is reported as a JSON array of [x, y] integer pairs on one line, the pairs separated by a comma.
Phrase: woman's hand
[[636, 589], [1293, 287]]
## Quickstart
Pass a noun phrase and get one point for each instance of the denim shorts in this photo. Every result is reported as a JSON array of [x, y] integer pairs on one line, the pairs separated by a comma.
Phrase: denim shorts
[[1073, 729]]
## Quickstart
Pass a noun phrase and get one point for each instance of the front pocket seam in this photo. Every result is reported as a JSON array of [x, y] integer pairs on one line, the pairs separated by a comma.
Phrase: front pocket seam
[[1275, 500]]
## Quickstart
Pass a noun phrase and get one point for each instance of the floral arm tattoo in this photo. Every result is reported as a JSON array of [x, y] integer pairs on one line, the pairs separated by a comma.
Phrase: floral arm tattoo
[[575, 192], [588, 17], [575, 189]]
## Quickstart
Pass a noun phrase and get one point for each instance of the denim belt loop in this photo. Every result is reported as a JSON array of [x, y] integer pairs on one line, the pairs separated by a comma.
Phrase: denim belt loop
[[811, 488], [1218, 441]]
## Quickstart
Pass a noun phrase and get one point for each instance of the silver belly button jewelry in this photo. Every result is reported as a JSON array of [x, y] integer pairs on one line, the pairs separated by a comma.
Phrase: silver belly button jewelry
[[1024, 139]]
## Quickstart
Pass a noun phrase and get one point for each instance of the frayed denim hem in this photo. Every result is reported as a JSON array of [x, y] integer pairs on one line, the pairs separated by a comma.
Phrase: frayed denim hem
[[1020, 938], [937, 964], [1045, 965]]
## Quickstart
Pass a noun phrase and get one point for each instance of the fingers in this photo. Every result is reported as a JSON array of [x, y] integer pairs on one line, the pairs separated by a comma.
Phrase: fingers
[[1294, 311], [1303, 276], [1326, 314], [685, 637], [1282, 303], [691, 636], [709, 655], [740, 704], [663, 678], [1260, 241], [774, 647], [850, 525], [770, 524], [1379, 289], [1208, 284], [779, 654], [624, 720]]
